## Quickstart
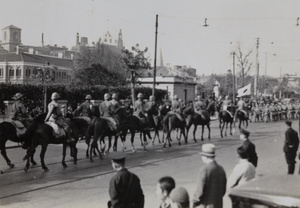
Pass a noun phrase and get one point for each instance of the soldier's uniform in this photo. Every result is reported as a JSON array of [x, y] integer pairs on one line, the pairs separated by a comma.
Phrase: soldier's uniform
[[106, 112], [85, 109], [176, 108], [227, 102], [199, 106], [18, 114], [139, 107], [151, 111]]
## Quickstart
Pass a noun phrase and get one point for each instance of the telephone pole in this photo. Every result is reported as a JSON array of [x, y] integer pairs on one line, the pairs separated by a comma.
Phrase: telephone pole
[[257, 70], [154, 69]]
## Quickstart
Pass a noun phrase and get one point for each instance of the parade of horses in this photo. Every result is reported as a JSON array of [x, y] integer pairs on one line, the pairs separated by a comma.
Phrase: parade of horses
[[113, 119]]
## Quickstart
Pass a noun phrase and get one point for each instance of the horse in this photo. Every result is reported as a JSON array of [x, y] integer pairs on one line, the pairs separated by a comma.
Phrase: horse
[[225, 118], [8, 132], [172, 122], [43, 134], [242, 117], [194, 118], [100, 129]]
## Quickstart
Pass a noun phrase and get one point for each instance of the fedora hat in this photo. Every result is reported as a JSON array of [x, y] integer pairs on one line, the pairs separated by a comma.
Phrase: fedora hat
[[208, 150]]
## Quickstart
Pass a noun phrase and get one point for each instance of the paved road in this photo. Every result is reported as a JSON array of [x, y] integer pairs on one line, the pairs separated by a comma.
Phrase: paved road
[[86, 184]]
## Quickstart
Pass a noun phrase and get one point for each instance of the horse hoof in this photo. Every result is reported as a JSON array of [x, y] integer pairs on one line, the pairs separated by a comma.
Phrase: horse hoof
[[75, 163], [46, 169], [201, 139], [179, 143], [11, 165], [164, 146], [33, 163], [26, 170], [133, 150], [64, 165], [170, 145], [91, 160], [195, 140], [105, 153], [186, 142]]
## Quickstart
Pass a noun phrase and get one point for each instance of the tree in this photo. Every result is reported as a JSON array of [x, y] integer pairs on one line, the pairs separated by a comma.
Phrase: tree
[[244, 63], [101, 65], [135, 62]]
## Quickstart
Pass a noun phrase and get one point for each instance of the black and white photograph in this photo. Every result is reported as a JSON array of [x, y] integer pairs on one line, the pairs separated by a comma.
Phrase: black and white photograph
[[144, 104]]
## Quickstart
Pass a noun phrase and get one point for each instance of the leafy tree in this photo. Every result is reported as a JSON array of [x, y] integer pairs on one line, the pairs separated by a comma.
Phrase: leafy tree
[[101, 65], [135, 62]]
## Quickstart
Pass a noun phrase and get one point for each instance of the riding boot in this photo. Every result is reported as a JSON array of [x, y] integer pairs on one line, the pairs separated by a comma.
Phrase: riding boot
[[291, 169]]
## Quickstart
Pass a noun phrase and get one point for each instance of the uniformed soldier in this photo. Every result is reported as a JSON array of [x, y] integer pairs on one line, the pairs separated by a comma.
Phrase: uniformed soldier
[[55, 118], [211, 104], [139, 107], [227, 102], [176, 107], [107, 112], [85, 109], [115, 102], [124, 188], [199, 105], [18, 114], [249, 147], [241, 105], [151, 111]]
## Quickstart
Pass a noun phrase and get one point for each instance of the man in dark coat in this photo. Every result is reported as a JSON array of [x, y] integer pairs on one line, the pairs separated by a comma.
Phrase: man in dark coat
[[211, 181], [290, 147], [249, 147], [124, 188]]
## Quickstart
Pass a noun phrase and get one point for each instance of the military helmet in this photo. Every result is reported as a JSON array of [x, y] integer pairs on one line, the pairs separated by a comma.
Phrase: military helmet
[[198, 97], [175, 97], [88, 97], [17, 96], [140, 95], [151, 98], [55, 95], [106, 96], [226, 97], [115, 96]]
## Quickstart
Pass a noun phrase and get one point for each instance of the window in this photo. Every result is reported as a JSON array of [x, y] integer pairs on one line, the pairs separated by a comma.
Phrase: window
[[18, 72], [11, 72], [5, 35], [28, 72], [1, 72]]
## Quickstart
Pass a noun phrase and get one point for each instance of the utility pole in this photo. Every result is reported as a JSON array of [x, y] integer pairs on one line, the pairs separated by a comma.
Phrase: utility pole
[[257, 70], [233, 74], [265, 79], [154, 70]]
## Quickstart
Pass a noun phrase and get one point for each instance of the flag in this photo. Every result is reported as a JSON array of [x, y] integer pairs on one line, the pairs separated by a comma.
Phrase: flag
[[244, 91]]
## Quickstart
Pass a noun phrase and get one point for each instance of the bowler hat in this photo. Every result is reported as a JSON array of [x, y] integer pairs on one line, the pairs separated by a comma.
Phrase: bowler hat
[[245, 132], [181, 196], [289, 123], [118, 157], [208, 150]]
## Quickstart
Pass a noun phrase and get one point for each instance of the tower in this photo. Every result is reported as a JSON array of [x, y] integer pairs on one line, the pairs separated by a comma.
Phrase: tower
[[11, 38], [120, 40]]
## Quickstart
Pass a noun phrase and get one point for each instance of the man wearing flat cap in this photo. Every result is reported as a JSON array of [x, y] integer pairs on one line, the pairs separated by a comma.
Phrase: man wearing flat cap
[[211, 181], [249, 147], [290, 147], [124, 188]]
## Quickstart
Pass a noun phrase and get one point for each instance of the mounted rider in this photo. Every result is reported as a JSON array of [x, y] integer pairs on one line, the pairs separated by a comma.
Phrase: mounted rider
[[55, 118], [18, 114], [107, 112], [227, 102], [84, 110], [139, 107], [211, 105], [241, 106], [115, 102], [199, 106], [151, 111], [176, 108]]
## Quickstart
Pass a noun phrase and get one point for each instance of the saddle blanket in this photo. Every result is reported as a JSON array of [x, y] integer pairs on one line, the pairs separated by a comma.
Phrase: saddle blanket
[[58, 131], [20, 128]]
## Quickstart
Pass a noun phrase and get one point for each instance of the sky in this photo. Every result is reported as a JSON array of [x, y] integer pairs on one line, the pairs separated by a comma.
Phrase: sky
[[182, 39]]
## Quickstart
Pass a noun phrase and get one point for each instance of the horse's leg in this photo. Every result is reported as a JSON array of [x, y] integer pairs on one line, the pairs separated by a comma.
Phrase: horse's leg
[[115, 143], [27, 156], [32, 158], [3, 153], [144, 134], [184, 136], [226, 129], [42, 156], [132, 132], [202, 133], [208, 127], [63, 162], [223, 126], [109, 146], [194, 133], [230, 128]]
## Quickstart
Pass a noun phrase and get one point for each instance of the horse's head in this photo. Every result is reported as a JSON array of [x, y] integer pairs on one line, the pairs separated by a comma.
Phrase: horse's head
[[40, 118], [189, 110], [163, 110], [121, 113]]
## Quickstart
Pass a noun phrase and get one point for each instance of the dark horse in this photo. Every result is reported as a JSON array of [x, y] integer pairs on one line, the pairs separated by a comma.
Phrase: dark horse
[[172, 122], [225, 118], [100, 129], [43, 134], [193, 118], [8, 132], [243, 118]]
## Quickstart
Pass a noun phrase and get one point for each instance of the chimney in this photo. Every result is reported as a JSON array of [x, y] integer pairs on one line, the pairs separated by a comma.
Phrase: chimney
[[77, 39], [42, 39], [18, 50], [31, 50]]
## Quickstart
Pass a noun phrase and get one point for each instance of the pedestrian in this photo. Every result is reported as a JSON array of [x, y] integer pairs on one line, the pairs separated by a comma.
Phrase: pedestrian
[[249, 147], [211, 181], [243, 171], [180, 198], [124, 188], [290, 147], [163, 189]]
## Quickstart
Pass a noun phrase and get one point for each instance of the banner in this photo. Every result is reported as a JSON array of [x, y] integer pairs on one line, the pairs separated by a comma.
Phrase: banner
[[244, 91]]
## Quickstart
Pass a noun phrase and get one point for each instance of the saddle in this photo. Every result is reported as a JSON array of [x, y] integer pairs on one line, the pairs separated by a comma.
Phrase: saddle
[[57, 130], [112, 124], [20, 128]]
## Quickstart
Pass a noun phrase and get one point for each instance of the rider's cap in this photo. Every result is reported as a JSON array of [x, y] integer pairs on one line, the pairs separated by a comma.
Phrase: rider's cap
[[88, 97], [118, 157], [17, 96], [289, 123], [245, 132], [208, 150]]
